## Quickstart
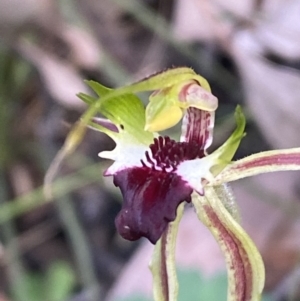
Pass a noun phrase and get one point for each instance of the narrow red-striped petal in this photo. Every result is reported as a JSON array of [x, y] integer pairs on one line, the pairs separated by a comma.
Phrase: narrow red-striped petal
[[245, 267], [270, 161]]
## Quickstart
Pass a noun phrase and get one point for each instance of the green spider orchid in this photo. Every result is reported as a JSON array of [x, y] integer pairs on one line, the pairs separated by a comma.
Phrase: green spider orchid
[[156, 174]]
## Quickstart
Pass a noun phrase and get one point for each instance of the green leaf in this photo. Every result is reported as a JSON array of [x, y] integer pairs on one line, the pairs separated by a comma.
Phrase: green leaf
[[59, 281], [33, 282], [190, 285], [194, 286]]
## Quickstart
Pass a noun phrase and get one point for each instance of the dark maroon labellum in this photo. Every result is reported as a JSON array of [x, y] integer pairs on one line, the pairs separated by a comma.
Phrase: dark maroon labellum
[[153, 192], [150, 202]]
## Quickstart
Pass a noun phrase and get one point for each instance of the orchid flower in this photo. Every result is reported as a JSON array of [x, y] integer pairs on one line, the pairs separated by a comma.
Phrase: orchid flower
[[157, 175]]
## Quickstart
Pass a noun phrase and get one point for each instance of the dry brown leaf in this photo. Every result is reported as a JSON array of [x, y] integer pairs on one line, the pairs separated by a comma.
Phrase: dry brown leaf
[[85, 50], [279, 30], [60, 78], [272, 91], [16, 15], [204, 22]]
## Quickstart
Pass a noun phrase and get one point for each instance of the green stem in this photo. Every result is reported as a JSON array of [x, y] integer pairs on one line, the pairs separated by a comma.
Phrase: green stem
[[76, 234], [74, 230], [80, 245], [61, 187], [15, 269]]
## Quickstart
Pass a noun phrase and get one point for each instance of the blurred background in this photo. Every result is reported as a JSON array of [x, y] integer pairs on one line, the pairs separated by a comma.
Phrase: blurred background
[[68, 249]]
